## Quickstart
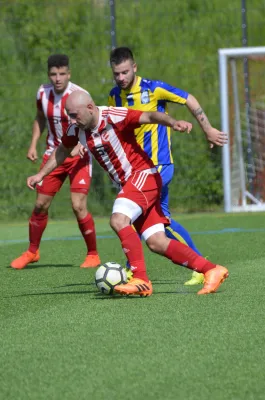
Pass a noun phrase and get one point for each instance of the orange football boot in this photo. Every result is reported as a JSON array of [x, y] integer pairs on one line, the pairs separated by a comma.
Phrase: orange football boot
[[135, 286], [25, 259], [213, 279], [91, 261]]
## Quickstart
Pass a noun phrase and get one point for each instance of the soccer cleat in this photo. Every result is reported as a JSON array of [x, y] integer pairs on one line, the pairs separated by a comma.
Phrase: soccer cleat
[[213, 279], [91, 261], [25, 259], [196, 279], [135, 286]]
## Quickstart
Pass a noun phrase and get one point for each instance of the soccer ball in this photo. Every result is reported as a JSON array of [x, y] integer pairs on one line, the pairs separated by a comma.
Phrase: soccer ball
[[109, 275]]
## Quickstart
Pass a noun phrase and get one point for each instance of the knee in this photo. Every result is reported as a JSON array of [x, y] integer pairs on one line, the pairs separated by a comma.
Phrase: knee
[[153, 246], [41, 206], [119, 221], [79, 207], [158, 243]]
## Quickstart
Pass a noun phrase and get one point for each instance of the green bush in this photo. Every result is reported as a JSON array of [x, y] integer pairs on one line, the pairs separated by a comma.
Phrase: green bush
[[174, 42]]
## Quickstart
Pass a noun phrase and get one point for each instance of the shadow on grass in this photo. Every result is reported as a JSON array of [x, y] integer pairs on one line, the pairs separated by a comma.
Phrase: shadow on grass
[[100, 296], [43, 266], [54, 293], [75, 284]]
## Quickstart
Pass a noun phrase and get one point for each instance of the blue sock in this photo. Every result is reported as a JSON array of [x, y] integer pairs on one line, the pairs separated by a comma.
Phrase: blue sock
[[178, 232]]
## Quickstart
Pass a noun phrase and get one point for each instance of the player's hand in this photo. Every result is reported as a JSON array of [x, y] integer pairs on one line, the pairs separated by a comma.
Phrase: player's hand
[[32, 154], [216, 137], [75, 151], [33, 180], [182, 126], [82, 150]]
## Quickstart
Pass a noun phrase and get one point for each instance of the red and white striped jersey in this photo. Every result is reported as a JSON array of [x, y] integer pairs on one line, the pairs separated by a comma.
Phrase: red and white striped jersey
[[53, 107], [113, 142]]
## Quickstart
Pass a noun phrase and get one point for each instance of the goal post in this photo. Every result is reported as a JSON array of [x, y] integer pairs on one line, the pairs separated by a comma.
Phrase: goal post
[[243, 118]]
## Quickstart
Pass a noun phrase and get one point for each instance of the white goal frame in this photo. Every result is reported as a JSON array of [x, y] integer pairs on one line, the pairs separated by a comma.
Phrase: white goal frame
[[224, 56]]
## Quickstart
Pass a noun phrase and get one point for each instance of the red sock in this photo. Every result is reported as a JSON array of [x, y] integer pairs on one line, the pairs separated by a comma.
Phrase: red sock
[[181, 254], [37, 225], [87, 228], [132, 247]]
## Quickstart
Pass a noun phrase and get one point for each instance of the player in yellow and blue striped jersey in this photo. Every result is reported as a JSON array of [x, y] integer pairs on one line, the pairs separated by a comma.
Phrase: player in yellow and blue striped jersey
[[137, 93]]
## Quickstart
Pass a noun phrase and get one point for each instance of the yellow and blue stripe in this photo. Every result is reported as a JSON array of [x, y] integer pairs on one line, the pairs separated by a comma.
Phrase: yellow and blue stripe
[[150, 95]]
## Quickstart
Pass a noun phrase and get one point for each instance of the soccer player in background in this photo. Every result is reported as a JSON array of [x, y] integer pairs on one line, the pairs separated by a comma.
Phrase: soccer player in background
[[138, 93], [108, 132], [51, 100]]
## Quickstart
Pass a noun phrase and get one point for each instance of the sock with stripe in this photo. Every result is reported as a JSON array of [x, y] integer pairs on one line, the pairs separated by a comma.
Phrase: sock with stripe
[[87, 228], [132, 247], [178, 232], [181, 254], [37, 225]]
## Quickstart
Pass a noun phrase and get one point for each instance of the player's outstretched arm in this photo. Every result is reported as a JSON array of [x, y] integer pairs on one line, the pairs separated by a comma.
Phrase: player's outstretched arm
[[38, 127], [57, 158], [156, 117], [213, 135]]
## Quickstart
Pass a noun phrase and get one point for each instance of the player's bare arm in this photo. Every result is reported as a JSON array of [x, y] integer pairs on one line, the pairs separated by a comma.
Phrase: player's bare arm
[[213, 135], [37, 129], [76, 150], [57, 158], [156, 117]]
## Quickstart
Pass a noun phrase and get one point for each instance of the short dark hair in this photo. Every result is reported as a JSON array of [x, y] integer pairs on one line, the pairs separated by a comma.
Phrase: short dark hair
[[58, 60], [120, 54]]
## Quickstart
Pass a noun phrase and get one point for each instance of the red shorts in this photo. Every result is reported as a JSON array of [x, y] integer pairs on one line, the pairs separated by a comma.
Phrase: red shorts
[[78, 169], [144, 189]]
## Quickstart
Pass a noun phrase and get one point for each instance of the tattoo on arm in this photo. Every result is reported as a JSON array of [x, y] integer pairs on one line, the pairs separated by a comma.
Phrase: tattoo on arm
[[201, 117]]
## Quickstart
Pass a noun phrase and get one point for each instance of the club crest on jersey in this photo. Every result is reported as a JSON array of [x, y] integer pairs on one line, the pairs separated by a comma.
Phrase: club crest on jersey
[[105, 136], [145, 99]]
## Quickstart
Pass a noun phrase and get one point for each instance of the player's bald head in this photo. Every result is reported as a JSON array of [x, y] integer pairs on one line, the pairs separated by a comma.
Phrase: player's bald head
[[78, 98], [81, 109]]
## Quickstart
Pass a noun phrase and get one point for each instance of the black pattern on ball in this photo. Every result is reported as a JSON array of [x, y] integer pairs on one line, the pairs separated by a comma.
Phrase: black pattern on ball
[[109, 275]]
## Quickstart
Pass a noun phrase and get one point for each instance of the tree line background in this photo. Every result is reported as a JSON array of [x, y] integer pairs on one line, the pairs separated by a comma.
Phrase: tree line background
[[174, 41]]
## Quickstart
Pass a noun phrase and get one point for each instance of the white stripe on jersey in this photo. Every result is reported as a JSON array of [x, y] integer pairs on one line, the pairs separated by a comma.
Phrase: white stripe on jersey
[[105, 158], [120, 153], [115, 115], [141, 180]]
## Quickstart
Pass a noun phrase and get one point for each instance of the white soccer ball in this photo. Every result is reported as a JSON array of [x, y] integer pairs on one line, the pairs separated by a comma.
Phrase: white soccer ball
[[109, 275]]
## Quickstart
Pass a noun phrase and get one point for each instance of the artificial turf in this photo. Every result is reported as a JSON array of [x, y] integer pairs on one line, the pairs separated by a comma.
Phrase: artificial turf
[[61, 339]]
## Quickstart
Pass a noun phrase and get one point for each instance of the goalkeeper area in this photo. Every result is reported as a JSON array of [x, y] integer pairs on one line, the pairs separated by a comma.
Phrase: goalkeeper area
[[242, 95], [62, 339]]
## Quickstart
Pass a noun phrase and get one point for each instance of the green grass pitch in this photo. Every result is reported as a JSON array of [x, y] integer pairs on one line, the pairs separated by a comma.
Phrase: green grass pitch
[[61, 339]]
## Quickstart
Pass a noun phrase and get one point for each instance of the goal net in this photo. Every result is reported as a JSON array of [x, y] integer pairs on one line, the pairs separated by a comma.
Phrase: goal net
[[242, 95]]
